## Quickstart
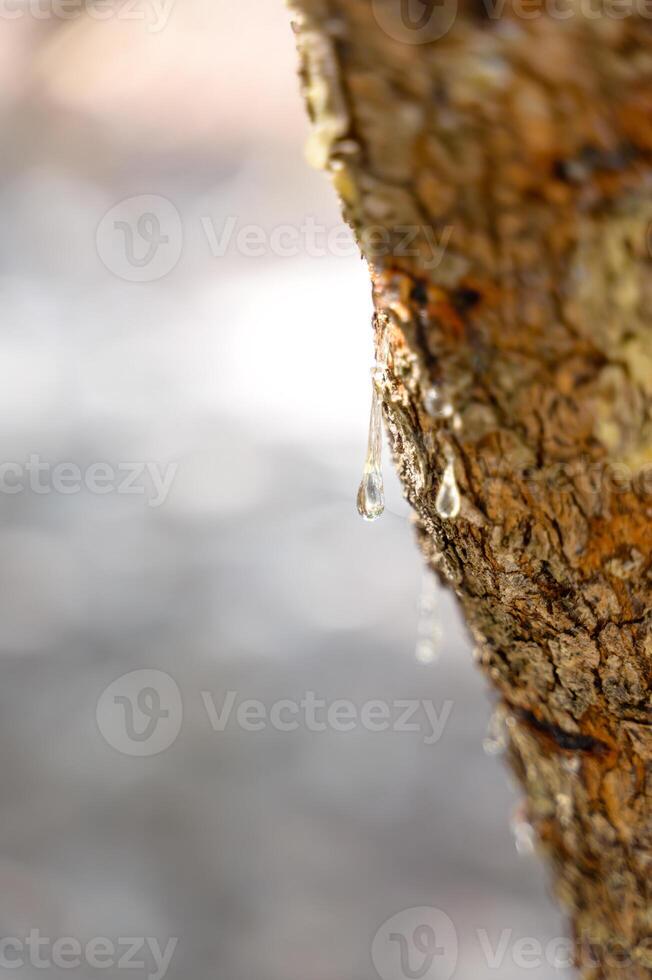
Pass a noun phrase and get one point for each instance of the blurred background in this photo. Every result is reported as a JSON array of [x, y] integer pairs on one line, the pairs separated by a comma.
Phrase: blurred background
[[184, 351]]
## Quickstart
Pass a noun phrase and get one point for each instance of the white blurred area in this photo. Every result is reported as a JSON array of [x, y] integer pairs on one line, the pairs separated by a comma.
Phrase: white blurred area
[[270, 856]]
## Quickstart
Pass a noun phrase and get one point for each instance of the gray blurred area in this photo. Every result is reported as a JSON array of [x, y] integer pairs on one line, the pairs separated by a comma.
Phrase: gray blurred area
[[268, 855]]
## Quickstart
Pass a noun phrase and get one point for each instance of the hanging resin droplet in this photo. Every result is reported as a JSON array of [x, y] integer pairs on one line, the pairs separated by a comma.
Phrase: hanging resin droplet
[[525, 837], [565, 809], [437, 406], [572, 765], [427, 651], [496, 740], [429, 632], [449, 502], [371, 495]]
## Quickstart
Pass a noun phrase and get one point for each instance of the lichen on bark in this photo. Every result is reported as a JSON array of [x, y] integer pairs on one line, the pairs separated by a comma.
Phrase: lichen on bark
[[499, 181]]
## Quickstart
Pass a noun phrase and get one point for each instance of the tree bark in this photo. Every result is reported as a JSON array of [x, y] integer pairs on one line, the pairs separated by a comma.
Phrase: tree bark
[[498, 177]]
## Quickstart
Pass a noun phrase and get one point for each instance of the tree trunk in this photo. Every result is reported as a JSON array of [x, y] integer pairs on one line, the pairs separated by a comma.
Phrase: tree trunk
[[496, 166]]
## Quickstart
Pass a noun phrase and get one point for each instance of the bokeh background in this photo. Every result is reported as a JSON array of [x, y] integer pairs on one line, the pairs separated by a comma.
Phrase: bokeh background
[[269, 855]]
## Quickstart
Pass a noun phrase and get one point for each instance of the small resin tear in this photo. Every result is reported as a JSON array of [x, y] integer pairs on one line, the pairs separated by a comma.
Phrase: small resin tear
[[429, 631], [565, 803], [572, 765], [371, 494], [497, 737], [449, 502], [565, 809], [437, 406], [525, 837]]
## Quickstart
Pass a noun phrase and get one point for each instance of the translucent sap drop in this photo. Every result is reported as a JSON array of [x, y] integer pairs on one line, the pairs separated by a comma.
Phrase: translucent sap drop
[[371, 495], [429, 641], [524, 834], [427, 651], [565, 809], [428, 597], [429, 632], [437, 406], [495, 742], [449, 502], [572, 765]]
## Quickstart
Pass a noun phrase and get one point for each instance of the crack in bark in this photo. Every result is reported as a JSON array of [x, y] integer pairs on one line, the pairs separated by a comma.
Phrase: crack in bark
[[568, 741]]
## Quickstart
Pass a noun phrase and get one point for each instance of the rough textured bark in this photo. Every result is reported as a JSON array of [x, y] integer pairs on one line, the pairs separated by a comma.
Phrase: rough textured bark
[[524, 146]]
